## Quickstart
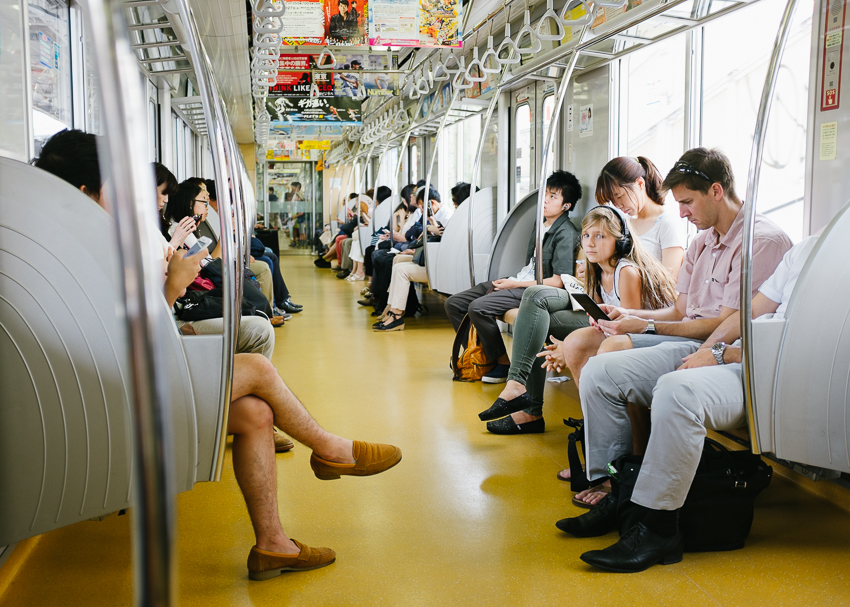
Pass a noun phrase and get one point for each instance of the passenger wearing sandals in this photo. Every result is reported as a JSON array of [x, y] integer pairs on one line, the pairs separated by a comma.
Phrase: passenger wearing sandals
[[633, 185], [487, 301], [259, 400], [640, 369]]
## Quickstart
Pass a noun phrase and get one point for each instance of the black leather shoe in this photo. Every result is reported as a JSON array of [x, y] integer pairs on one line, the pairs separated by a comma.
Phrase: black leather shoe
[[637, 550], [599, 521], [321, 263], [507, 426], [289, 302], [288, 307], [343, 274], [503, 407]]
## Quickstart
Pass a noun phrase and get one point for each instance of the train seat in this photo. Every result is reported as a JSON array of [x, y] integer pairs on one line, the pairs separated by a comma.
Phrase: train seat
[[65, 419]]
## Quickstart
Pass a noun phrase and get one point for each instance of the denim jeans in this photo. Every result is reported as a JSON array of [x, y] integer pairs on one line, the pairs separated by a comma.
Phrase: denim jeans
[[544, 311]]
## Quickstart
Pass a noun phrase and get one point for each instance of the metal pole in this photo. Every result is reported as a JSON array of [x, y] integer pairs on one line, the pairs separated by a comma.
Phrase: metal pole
[[476, 169], [231, 258], [750, 203], [547, 144], [362, 184], [133, 206]]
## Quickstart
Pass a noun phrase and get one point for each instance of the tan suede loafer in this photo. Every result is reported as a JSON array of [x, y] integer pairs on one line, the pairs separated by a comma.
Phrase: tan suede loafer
[[263, 565], [370, 458], [281, 443]]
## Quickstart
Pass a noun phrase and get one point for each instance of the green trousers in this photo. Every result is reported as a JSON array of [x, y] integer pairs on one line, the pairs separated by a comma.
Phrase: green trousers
[[544, 311]]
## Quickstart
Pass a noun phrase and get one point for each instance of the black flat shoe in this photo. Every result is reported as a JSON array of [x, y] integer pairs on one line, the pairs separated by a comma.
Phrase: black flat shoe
[[287, 306], [503, 407], [637, 550], [343, 274], [507, 426], [599, 521], [321, 263], [396, 325]]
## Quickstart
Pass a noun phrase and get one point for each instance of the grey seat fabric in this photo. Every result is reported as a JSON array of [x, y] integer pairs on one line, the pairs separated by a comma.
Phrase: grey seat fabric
[[65, 415]]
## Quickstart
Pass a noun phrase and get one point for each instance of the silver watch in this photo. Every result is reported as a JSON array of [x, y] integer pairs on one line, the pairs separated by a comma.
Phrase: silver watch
[[650, 327], [718, 349]]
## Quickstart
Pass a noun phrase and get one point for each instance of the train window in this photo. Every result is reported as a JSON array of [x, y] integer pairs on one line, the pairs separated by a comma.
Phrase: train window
[[656, 102], [523, 152], [471, 128], [451, 153], [733, 77], [548, 108], [50, 68], [13, 132]]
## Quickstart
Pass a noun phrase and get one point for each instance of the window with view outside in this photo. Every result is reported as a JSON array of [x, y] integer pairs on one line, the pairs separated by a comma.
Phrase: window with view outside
[[548, 108], [733, 78]]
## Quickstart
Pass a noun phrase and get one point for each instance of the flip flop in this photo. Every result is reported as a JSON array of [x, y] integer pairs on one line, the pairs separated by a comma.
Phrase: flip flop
[[583, 504], [561, 478]]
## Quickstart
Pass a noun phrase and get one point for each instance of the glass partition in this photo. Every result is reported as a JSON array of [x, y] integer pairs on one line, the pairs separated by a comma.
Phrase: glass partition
[[523, 152], [290, 195], [13, 124]]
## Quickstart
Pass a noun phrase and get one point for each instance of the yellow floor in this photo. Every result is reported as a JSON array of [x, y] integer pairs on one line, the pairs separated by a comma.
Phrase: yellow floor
[[467, 518]]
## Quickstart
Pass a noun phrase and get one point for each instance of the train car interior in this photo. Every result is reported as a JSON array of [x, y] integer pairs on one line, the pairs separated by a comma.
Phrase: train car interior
[[231, 229]]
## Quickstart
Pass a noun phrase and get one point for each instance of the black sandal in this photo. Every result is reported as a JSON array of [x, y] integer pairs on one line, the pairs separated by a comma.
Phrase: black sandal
[[396, 325]]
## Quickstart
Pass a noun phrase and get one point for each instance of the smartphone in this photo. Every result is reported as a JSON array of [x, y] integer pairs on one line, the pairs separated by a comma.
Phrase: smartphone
[[197, 219], [590, 306], [203, 243]]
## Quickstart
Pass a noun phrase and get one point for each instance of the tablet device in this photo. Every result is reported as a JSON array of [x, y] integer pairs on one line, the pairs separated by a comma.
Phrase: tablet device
[[590, 306]]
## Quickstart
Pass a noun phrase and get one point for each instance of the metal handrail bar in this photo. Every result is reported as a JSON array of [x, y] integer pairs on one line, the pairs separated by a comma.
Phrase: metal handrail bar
[[476, 171], [401, 150], [547, 147], [749, 210], [362, 184], [133, 209], [224, 175]]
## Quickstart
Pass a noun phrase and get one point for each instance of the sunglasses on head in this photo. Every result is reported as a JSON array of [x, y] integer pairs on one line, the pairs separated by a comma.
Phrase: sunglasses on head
[[687, 169]]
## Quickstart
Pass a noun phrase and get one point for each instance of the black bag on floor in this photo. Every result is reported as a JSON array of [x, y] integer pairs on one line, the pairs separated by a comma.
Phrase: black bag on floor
[[718, 512], [578, 476]]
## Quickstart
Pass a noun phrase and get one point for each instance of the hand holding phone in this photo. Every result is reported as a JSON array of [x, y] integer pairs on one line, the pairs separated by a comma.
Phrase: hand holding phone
[[590, 306], [203, 243]]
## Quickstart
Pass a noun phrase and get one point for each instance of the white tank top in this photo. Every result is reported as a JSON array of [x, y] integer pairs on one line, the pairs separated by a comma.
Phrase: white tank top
[[613, 298]]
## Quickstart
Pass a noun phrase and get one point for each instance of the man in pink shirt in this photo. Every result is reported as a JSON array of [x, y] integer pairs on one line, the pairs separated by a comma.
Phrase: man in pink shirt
[[647, 345]]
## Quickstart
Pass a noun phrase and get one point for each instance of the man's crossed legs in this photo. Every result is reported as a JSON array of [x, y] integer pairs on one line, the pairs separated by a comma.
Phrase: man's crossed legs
[[260, 399]]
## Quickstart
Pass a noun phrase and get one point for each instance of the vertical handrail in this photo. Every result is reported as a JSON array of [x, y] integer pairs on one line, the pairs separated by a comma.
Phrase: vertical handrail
[[362, 184], [133, 206], [426, 195], [231, 265], [750, 221], [547, 146], [476, 166], [401, 150]]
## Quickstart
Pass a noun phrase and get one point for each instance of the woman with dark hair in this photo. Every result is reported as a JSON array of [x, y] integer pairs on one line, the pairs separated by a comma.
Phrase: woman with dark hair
[[633, 185], [191, 200], [167, 186]]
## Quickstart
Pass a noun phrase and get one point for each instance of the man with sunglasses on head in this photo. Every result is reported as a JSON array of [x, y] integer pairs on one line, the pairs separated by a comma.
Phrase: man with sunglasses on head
[[647, 346]]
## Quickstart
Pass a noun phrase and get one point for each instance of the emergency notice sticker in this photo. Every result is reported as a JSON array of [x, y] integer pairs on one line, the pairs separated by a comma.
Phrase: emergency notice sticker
[[833, 51]]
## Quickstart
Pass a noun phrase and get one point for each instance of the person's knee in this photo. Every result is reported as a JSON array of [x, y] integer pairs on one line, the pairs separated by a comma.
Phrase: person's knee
[[251, 414], [674, 397], [615, 343]]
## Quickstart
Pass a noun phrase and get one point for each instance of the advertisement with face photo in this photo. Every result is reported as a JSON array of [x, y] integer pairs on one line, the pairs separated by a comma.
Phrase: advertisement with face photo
[[345, 22], [316, 110], [347, 84]]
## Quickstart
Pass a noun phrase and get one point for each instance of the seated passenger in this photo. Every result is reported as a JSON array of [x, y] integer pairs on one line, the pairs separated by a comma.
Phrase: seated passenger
[[635, 185], [166, 185], [355, 252], [703, 184], [489, 300], [704, 392], [619, 270], [259, 400], [282, 299], [405, 271]]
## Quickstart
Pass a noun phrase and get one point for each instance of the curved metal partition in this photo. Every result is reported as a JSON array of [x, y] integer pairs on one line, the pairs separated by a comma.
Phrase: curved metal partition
[[133, 207], [507, 256], [231, 216], [750, 203]]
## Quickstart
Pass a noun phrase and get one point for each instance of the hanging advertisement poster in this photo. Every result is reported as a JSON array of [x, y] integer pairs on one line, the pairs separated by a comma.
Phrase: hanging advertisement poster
[[345, 22], [319, 110], [585, 121], [423, 23], [294, 77], [306, 131], [376, 84], [304, 22]]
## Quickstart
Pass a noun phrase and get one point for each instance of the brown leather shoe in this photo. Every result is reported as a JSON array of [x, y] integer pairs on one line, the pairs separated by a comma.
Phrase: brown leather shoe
[[263, 565], [277, 321], [188, 329], [370, 458], [281, 443]]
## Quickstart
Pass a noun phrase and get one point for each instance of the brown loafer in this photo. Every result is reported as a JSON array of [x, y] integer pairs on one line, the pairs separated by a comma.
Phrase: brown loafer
[[370, 458], [277, 321], [281, 443], [263, 565]]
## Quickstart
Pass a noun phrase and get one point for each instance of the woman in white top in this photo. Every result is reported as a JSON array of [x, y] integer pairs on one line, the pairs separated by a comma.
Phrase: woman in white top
[[633, 185]]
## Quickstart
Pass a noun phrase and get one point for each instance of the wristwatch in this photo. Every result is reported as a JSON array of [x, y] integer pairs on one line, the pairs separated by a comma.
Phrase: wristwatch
[[650, 327], [718, 349]]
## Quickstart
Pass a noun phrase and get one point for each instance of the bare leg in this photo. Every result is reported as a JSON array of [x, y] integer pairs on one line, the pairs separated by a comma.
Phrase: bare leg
[[254, 374], [254, 466], [512, 390], [615, 343], [578, 347]]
